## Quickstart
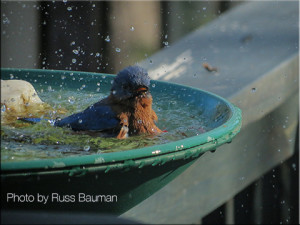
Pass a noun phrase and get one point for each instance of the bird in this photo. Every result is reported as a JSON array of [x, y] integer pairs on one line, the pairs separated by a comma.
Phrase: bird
[[126, 111]]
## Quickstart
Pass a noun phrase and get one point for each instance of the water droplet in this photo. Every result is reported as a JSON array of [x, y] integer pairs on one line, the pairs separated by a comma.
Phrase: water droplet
[[86, 148], [69, 8], [6, 20], [75, 51], [50, 88], [3, 108], [114, 92], [107, 39], [153, 85], [98, 84], [72, 43], [65, 1], [11, 76], [118, 50], [74, 60], [132, 28], [139, 121], [204, 8], [71, 100], [253, 90], [97, 54], [80, 121]]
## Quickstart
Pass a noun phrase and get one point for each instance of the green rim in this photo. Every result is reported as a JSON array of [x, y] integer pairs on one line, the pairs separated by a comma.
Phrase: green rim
[[188, 147]]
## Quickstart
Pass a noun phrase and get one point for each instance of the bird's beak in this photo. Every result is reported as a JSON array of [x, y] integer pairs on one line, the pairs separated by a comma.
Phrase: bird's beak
[[141, 89]]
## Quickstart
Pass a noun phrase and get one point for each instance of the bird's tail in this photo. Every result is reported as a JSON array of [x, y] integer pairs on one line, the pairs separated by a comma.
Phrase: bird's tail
[[37, 120]]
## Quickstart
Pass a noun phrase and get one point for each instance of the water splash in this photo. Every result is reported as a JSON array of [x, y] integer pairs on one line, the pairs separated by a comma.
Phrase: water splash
[[107, 39], [71, 100], [86, 148]]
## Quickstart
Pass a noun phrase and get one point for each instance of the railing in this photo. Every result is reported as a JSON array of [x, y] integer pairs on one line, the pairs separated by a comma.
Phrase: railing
[[255, 50], [248, 55]]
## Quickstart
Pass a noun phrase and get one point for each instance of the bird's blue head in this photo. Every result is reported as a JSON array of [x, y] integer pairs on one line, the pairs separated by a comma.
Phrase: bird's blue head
[[130, 82]]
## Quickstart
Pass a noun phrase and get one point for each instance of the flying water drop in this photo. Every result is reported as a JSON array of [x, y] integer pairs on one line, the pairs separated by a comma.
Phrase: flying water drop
[[107, 39], [86, 148]]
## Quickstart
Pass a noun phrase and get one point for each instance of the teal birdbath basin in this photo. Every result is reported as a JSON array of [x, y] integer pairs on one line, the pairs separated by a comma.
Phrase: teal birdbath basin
[[48, 168]]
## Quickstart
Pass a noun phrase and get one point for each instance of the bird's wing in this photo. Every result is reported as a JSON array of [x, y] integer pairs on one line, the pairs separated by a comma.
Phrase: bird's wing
[[98, 117]]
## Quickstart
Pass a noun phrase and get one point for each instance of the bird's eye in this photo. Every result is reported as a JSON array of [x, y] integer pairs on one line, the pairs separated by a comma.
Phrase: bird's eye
[[126, 87]]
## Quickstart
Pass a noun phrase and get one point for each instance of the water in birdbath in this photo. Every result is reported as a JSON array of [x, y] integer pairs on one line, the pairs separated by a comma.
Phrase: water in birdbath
[[22, 141]]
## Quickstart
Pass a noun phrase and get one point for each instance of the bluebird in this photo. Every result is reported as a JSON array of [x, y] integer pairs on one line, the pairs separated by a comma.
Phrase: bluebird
[[126, 111]]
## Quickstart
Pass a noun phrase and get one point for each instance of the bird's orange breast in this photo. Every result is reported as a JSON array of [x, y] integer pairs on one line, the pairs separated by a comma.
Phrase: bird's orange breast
[[139, 117]]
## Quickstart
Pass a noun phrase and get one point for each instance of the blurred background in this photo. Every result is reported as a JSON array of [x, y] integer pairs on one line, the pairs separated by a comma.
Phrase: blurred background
[[99, 36], [106, 36]]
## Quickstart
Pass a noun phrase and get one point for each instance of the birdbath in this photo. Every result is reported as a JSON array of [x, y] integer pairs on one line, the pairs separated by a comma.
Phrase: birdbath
[[48, 172]]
